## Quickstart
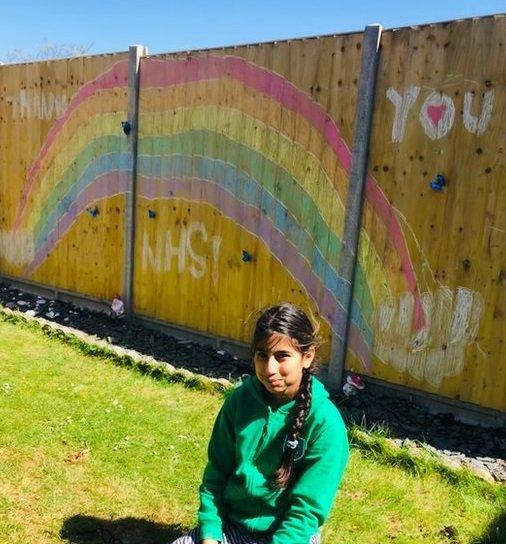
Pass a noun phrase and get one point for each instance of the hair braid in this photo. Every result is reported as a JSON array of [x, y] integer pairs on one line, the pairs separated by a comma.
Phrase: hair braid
[[284, 473]]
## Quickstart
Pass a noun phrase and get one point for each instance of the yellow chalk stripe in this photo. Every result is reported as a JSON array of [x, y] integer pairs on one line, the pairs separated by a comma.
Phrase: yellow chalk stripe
[[240, 128], [95, 127], [102, 102], [230, 95]]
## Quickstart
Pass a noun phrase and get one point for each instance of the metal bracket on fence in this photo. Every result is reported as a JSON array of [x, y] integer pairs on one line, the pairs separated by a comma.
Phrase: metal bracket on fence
[[356, 185]]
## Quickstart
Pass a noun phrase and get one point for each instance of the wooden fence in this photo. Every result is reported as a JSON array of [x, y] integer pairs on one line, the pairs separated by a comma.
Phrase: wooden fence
[[231, 192]]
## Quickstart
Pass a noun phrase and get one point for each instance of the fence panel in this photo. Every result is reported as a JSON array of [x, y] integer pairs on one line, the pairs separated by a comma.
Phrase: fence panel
[[61, 173], [434, 260], [242, 175]]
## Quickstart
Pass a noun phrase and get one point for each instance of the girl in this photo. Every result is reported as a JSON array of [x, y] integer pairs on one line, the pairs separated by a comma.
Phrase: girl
[[278, 448]]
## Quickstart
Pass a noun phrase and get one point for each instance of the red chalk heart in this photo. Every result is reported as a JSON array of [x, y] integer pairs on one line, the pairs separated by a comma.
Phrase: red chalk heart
[[436, 113]]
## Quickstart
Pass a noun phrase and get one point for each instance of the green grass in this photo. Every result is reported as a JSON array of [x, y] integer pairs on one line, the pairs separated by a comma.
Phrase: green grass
[[91, 452]]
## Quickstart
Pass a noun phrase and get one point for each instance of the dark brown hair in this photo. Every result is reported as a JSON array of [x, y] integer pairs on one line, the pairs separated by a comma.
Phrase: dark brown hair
[[293, 322]]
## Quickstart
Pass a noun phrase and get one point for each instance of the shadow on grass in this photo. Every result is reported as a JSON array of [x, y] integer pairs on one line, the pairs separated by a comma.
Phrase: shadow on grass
[[81, 529], [496, 531]]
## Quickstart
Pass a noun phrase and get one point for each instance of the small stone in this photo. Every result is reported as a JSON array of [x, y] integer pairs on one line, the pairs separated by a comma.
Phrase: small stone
[[482, 473], [22, 303], [451, 463], [31, 313], [449, 532], [223, 382], [474, 463], [498, 473], [393, 442]]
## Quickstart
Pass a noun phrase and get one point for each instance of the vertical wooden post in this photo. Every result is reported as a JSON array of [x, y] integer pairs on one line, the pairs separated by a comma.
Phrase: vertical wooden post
[[358, 174], [136, 52]]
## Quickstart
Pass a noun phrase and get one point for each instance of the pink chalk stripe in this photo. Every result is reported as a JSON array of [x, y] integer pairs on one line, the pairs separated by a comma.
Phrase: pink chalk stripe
[[383, 208], [116, 76], [166, 72], [259, 225], [107, 185]]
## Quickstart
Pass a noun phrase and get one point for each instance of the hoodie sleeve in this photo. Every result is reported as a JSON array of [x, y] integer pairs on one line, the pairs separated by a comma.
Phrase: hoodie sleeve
[[313, 493], [221, 454]]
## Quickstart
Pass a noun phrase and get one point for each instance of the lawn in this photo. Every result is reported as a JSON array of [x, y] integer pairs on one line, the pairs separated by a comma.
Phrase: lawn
[[91, 452]]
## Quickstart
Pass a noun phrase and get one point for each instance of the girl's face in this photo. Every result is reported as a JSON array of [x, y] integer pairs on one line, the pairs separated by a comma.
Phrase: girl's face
[[279, 365]]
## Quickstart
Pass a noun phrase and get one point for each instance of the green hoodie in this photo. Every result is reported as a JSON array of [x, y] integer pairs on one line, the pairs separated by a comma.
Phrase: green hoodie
[[244, 452]]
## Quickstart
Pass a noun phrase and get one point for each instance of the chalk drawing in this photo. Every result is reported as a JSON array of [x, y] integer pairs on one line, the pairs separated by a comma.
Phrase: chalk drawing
[[478, 125], [402, 104], [160, 257], [194, 228], [37, 105], [215, 244], [17, 247], [437, 115], [438, 349]]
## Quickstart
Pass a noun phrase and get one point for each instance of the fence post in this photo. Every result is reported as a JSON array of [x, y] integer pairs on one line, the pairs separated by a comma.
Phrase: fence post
[[136, 52], [354, 201]]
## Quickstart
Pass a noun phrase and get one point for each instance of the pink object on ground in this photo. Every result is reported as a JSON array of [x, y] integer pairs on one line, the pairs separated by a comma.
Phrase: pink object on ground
[[355, 380], [117, 306]]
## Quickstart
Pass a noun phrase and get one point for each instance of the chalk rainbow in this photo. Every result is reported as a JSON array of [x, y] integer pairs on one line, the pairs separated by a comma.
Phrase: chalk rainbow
[[271, 180]]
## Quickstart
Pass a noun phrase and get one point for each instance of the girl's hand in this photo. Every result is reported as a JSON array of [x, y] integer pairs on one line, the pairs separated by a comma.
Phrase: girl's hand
[[209, 541]]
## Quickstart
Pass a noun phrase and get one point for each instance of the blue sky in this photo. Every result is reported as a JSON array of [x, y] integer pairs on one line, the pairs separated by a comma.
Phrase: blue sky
[[166, 25]]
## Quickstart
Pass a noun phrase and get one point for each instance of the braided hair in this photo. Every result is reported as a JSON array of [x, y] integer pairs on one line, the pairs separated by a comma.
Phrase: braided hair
[[292, 321]]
